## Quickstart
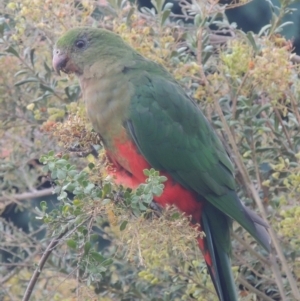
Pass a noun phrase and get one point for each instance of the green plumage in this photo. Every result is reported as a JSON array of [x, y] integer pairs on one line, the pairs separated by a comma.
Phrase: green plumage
[[123, 89], [174, 136]]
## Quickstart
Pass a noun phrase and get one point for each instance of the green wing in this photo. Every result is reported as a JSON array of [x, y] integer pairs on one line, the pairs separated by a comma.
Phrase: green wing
[[174, 136]]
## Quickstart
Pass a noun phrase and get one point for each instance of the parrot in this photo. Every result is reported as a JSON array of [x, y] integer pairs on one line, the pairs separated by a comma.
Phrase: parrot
[[146, 120]]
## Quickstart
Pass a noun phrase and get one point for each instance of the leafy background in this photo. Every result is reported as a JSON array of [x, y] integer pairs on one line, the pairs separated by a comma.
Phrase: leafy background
[[115, 244]]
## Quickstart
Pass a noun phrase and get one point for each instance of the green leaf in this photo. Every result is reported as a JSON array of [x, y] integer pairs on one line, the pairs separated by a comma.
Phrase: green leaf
[[106, 189], [252, 41], [128, 18], [32, 56], [26, 81], [89, 188], [91, 165], [107, 262], [106, 201], [66, 208], [13, 51], [158, 4], [87, 247], [62, 196], [20, 72], [43, 206], [157, 190], [142, 207], [46, 88], [206, 56], [163, 179], [198, 20], [48, 69], [54, 174], [123, 225], [94, 237], [146, 172], [61, 174], [136, 211], [72, 173], [175, 216], [2, 27], [165, 16], [264, 29], [71, 243], [97, 256], [61, 162]]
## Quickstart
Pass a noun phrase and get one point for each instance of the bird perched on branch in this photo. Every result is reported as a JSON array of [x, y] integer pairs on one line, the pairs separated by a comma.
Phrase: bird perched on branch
[[146, 120]]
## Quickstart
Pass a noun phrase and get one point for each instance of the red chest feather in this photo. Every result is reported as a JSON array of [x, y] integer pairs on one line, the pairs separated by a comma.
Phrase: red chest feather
[[128, 166]]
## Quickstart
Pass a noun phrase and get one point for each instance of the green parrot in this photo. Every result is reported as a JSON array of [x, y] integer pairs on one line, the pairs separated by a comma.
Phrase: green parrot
[[146, 120]]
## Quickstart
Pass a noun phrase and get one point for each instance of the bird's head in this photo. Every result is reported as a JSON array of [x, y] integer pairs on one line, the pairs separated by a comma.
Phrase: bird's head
[[83, 46]]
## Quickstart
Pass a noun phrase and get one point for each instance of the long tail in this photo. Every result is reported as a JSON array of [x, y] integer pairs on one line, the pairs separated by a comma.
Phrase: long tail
[[216, 247]]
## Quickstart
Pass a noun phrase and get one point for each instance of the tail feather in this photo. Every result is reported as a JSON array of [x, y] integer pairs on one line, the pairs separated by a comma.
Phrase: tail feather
[[261, 227], [231, 205], [216, 246], [216, 226]]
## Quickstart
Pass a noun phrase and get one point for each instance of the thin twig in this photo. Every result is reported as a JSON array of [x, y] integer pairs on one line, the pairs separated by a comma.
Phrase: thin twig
[[12, 298], [277, 275], [77, 278], [139, 250], [65, 278], [242, 261], [18, 267], [251, 251], [254, 160], [234, 100], [251, 288], [41, 264], [284, 128]]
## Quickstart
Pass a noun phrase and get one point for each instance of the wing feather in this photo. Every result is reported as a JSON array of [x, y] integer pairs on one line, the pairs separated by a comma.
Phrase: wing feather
[[174, 136]]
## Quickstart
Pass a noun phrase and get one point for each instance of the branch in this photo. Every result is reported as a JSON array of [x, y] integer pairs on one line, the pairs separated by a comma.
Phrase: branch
[[251, 288], [27, 195], [41, 264], [243, 262], [17, 268], [252, 251]]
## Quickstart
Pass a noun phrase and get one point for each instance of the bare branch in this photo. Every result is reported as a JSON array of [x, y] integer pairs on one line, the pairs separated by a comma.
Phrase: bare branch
[[251, 288], [41, 264], [27, 195]]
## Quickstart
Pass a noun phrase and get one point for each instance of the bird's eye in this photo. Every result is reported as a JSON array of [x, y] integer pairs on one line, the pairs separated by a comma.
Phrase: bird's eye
[[80, 44]]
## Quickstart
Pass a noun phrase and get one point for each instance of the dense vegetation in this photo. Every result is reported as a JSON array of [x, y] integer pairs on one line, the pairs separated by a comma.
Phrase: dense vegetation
[[115, 244]]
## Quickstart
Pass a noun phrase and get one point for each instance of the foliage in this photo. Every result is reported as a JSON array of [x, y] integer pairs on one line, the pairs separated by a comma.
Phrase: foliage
[[119, 245], [149, 240]]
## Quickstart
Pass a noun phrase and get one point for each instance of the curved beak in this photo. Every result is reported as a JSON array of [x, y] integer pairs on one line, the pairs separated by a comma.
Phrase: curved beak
[[60, 60]]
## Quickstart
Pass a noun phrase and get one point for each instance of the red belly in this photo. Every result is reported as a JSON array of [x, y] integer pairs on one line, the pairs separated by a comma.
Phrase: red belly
[[127, 169]]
